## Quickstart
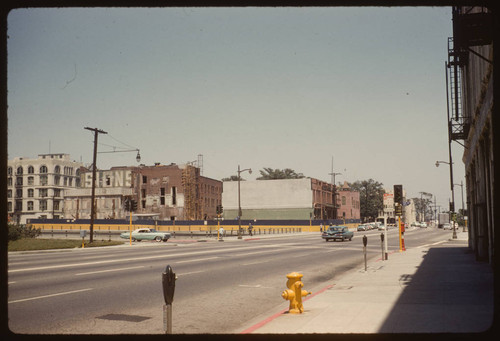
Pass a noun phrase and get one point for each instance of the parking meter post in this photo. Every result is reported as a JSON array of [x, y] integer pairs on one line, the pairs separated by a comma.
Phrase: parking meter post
[[168, 283], [365, 241], [382, 244]]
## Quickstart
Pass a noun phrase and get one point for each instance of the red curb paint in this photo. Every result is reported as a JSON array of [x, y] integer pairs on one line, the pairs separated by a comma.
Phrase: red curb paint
[[270, 318]]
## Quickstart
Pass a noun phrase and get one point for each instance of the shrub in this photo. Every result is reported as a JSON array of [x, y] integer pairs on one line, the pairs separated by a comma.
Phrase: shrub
[[22, 231]]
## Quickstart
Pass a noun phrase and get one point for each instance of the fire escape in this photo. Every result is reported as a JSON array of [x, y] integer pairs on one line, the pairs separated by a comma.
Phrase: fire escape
[[472, 26]]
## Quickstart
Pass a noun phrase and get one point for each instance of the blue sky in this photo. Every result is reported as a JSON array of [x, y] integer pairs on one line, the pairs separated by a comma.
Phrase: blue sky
[[260, 87]]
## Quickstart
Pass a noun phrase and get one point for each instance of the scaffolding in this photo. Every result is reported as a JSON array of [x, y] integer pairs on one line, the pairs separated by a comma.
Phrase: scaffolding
[[190, 182]]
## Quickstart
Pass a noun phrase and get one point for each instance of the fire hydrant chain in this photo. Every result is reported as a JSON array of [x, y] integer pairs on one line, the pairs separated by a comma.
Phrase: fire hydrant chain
[[294, 293]]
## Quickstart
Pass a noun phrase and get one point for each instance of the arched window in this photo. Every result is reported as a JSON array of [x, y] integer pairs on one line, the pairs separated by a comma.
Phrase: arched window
[[9, 171], [19, 170], [57, 169], [43, 169], [31, 170]]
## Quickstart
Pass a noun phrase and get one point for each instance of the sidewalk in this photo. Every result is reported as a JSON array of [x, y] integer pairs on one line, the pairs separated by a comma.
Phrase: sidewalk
[[438, 288]]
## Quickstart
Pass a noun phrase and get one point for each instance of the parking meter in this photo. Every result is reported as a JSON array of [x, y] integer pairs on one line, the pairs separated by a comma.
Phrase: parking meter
[[382, 237], [168, 281], [365, 240]]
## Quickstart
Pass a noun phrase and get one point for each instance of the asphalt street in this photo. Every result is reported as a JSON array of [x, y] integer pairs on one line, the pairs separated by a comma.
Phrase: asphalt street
[[221, 286]]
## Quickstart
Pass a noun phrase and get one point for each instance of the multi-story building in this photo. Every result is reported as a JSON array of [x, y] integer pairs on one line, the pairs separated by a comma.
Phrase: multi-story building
[[171, 192], [471, 119], [296, 199], [36, 187], [349, 203]]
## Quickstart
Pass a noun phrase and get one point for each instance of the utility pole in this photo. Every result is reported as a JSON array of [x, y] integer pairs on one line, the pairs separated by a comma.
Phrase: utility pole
[[94, 170]]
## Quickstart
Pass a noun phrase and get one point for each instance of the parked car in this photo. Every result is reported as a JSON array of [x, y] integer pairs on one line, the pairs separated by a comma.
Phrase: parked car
[[146, 234], [364, 227], [337, 232], [423, 224], [446, 226], [381, 227]]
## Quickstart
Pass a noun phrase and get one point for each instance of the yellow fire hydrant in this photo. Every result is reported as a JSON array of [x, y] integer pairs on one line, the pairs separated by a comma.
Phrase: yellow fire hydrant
[[294, 293]]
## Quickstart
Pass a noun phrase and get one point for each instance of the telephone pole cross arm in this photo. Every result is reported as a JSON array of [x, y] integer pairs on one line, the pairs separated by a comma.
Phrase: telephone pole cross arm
[[94, 170]]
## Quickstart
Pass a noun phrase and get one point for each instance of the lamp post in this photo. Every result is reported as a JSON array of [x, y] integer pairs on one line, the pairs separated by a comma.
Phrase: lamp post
[[452, 203], [239, 198]]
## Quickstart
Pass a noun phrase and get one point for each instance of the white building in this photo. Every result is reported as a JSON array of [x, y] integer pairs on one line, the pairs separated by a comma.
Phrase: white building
[[36, 187], [112, 188]]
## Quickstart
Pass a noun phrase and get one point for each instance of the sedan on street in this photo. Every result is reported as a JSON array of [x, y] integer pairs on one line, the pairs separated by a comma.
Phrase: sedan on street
[[146, 234], [337, 232]]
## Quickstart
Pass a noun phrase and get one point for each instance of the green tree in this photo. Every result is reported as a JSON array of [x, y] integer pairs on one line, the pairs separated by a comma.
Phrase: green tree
[[423, 205], [271, 174], [233, 178], [371, 198]]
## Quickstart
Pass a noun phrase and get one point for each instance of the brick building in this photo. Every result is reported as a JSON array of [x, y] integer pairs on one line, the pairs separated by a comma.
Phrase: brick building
[[173, 192]]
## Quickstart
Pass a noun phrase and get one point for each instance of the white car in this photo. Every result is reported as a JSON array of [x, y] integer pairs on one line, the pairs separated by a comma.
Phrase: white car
[[446, 226]]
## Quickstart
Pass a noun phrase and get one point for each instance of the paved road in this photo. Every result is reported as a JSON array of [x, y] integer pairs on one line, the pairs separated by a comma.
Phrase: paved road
[[220, 287]]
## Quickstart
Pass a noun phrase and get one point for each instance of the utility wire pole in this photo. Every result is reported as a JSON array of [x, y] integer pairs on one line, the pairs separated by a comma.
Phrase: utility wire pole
[[94, 170]]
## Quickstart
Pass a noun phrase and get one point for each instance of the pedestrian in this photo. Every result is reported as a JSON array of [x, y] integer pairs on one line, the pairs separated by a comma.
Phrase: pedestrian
[[250, 228], [221, 232], [321, 227]]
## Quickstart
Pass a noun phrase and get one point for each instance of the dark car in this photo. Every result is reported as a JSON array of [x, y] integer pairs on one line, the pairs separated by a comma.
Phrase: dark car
[[337, 232]]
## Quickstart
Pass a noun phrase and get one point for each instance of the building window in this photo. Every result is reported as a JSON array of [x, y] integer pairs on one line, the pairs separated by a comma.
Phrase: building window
[[43, 205], [43, 180], [43, 169], [9, 182], [57, 169], [31, 193], [56, 205], [9, 206], [57, 192], [30, 205], [43, 192], [57, 180], [19, 170], [9, 171], [19, 193], [31, 180], [9, 193], [174, 195], [31, 170], [144, 179], [162, 196], [143, 203], [19, 181]]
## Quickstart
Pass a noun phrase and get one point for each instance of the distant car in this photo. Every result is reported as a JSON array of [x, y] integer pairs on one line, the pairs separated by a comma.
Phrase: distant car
[[337, 232], [446, 226], [146, 234], [423, 224], [381, 227], [364, 227]]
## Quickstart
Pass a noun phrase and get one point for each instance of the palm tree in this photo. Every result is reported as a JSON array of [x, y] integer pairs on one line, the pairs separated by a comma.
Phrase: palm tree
[[272, 174]]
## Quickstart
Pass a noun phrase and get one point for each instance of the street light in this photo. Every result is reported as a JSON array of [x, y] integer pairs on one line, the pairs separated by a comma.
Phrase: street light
[[239, 198]]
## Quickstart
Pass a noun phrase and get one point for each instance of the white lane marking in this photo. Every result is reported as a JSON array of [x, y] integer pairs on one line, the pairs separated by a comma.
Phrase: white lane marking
[[264, 261], [128, 259], [195, 260], [190, 273], [109, 270], [51, 295]]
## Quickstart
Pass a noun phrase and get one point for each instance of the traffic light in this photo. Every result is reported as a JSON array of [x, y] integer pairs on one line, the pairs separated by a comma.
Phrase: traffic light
[[398, 194], [219, 209], [398, 200], [133, 205], [127, 205]]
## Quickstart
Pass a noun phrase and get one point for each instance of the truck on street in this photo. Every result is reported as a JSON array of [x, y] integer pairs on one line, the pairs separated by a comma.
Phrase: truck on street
[[443, 218]]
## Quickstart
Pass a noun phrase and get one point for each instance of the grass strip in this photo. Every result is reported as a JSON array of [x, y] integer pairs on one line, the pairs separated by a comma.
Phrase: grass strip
[[28, 244]]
